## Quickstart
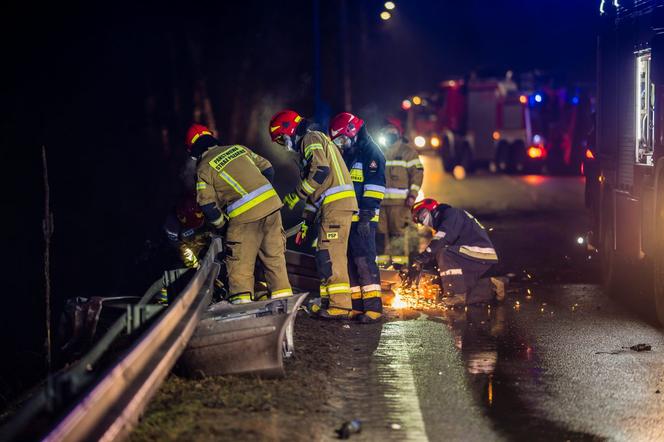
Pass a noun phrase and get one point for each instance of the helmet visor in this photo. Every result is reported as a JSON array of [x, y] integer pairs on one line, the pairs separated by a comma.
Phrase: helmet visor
[[342, 141]]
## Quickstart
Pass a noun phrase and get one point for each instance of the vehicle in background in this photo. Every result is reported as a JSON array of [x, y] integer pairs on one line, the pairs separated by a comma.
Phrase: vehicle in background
[[474, 122], [561, 119], [625, 181]]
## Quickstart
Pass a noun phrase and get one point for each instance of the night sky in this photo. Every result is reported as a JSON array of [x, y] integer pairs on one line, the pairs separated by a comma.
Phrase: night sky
[[110, 95]]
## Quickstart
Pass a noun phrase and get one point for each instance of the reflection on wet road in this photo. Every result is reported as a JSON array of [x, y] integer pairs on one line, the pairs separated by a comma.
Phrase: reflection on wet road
[[547, 364]]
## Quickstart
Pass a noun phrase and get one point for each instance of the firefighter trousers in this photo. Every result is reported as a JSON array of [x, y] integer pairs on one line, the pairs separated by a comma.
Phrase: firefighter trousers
[[392, 224], [459, 275], [331, 259], [265, 239], [363, 272]]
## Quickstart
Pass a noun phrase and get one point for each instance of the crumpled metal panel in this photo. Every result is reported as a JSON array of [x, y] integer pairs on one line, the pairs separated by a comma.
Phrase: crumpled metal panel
[[242, 339]]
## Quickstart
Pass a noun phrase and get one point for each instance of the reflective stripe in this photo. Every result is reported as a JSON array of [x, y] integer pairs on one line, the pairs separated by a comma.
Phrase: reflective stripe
[[323, 291], [250, 200], [383, 259], [195, 137], [375, 187], [234, 184], [399, 259], [374, 191], [310, 148], [335, 161], [415, 187], [371, 287], [392, 193], [307, 187], [395, 163], [338, 288], [201, 185], [356, 218], [479, 252], [310, 208], [282, 293], [355, 292], [355, 288], [336, 193], [241, 296], [440, 235], [219, 221], [414, 163], [371, 294], [451, 272], [373, 194]]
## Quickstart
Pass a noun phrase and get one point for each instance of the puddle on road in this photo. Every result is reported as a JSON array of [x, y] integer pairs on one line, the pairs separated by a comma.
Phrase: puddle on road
[[503, 370]]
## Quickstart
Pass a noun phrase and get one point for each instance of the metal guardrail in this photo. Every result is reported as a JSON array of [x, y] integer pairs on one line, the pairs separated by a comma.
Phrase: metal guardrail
[[109, 408]]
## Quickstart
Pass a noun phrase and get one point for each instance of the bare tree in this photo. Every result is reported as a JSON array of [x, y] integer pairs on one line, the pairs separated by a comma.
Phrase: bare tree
[[47, 227]]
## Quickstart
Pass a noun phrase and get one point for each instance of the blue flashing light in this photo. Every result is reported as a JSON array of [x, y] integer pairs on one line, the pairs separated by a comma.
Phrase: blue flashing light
[[538, 98], [575, 100]]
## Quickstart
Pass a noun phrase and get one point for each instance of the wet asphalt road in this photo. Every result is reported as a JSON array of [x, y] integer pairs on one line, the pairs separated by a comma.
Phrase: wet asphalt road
[[550, 363]]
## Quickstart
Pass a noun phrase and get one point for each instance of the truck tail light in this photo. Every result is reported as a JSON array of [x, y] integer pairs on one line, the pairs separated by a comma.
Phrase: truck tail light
[[535, 152]]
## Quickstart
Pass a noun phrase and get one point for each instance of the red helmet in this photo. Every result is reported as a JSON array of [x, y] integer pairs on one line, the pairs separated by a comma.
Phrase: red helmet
[[429, 204], [194, 133], [345, 124], [284, 123], [189, 213], [394, 121]]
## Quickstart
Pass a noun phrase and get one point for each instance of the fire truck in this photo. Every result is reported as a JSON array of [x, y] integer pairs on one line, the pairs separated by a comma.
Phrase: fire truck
[[475, 122], [625, 177]]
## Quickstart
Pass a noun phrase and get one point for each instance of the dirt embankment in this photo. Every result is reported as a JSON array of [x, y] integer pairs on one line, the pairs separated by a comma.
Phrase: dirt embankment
[[305, 405]]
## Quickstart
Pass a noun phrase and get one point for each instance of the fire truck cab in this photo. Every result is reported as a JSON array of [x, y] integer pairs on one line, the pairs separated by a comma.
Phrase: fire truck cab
[[625, 179]]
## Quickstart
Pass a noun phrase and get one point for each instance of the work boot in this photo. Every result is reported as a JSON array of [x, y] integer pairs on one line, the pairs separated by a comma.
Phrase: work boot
[[355, 313], [334, 313], [455, 300], [500, 287], [240, 298], [369, 317]]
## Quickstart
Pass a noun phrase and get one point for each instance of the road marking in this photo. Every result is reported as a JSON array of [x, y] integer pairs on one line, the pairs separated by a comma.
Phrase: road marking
[[394, 368]]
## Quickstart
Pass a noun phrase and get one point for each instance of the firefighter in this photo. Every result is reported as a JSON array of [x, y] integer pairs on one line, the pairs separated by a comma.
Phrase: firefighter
[[403, 173], [327, 190], [462, 251], [186, 231], [367, 171], [234, 187]]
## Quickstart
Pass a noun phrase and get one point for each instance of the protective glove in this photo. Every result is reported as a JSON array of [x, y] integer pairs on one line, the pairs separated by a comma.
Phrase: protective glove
[[422, 258], [302, 234], [410, 201], [291, 200], [189, 258], [363, 227]]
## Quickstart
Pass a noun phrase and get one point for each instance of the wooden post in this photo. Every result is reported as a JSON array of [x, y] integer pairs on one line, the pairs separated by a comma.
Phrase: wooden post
[[47, 227]]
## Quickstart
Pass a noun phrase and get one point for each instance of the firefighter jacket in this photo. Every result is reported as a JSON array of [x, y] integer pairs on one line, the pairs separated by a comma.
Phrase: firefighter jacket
[[367, 171], [231, 185], [326, 183], [403, 173], [461, 233]]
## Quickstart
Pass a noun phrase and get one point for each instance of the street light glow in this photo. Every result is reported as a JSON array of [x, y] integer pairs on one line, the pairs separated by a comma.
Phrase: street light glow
[[417, 100], [435, 141], [420, 141], [390, 5], [406, 104], [385, 15]]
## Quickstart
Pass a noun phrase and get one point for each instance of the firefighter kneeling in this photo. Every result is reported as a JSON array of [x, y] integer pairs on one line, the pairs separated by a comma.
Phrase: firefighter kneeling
[[238, 181], [462, 250]]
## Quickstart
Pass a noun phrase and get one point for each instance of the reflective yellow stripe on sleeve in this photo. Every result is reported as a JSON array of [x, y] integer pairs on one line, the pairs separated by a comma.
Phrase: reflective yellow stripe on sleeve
[[201, 185], [307, 187], [308, 150]]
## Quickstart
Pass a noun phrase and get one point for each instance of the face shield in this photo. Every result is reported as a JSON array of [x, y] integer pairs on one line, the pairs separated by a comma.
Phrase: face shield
[[343, 142], [285, 141], [424, 218]]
